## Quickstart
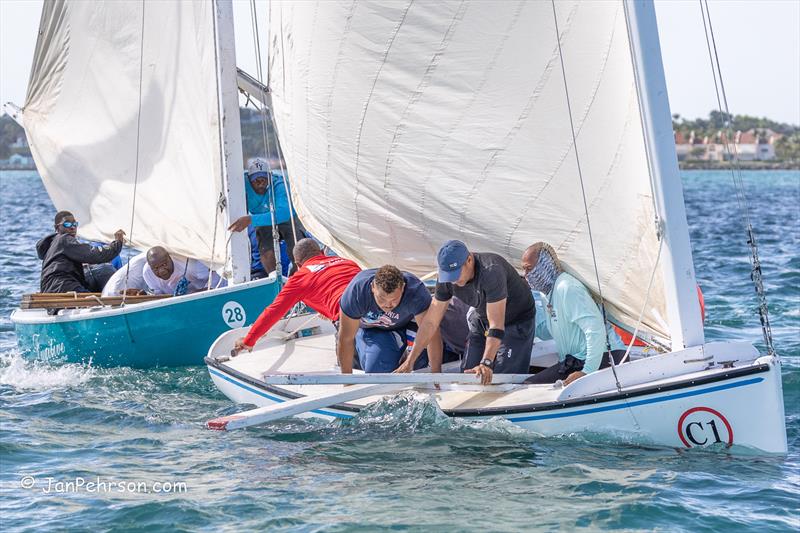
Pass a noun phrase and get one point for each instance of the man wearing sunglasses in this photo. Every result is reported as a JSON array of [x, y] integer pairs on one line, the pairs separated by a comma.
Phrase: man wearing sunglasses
[[63, 256]]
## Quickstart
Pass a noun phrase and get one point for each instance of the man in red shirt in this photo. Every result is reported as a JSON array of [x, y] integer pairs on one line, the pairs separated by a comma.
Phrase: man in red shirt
[[319, 283]]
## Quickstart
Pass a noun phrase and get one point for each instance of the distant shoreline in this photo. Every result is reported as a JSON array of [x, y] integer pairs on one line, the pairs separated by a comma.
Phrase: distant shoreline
[[683, 165], [744, 165]]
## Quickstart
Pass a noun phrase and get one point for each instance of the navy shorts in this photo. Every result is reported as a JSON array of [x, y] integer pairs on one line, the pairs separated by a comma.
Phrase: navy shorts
[[380, 350]]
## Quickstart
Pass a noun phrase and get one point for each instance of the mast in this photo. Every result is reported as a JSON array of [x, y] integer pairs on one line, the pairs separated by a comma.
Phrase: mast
[[683, 307], [231, 139]]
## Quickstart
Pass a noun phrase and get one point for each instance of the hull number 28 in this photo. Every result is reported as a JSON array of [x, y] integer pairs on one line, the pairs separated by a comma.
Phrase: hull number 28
[[233, 314]]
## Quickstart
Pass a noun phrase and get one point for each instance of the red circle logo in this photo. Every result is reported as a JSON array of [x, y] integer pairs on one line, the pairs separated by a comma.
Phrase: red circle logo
[[703, 426]]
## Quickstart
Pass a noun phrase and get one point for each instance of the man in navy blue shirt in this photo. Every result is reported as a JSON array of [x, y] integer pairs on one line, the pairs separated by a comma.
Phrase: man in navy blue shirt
[[379, 312]]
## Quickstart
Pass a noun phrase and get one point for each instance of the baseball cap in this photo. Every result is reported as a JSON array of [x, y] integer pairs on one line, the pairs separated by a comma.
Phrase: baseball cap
[[258, 168], [452, 256]]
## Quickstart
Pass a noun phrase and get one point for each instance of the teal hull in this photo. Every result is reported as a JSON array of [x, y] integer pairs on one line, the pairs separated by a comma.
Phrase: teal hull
[[166, 333]]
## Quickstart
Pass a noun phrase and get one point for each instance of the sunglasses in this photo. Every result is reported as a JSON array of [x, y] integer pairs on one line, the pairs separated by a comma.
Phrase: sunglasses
[[70, 224]]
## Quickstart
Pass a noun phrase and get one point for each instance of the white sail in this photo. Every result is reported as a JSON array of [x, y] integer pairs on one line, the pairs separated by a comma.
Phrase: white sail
[[87, 134], [406, 124]]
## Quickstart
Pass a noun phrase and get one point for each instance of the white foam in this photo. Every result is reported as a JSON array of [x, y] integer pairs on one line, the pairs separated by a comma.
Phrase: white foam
[[21, 373]]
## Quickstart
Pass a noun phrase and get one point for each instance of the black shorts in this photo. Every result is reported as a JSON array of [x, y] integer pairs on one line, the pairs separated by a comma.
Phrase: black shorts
[[514, 355], [264, 236]]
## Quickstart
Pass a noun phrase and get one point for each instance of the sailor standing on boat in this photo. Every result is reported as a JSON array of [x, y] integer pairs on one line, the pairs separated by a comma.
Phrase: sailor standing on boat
[[265, 189], [571, 318], [380, 311], [501, 321], [319, 283]]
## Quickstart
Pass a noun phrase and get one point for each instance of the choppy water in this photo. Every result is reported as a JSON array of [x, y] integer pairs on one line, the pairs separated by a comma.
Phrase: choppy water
[[402, 465]]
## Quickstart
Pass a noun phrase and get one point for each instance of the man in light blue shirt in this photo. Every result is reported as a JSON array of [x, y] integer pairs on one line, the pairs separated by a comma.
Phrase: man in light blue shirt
[[264, 189], [571, 318]]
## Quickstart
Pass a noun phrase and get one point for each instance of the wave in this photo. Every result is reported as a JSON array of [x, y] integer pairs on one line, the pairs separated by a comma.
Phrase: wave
[[24, 374]]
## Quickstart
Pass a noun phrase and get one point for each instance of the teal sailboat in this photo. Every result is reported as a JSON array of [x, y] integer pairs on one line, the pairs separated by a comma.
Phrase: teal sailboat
[[133, 120]]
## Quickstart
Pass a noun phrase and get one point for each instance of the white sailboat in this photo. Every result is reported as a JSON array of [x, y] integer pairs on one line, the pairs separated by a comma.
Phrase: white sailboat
[[132, 114], [501, 124]]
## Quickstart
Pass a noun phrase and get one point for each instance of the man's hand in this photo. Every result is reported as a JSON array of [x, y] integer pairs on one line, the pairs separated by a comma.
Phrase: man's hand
[[572, 377], [239, 346], [405, 367], [241, 223], [484, 372], [135, 292], [119, 235]]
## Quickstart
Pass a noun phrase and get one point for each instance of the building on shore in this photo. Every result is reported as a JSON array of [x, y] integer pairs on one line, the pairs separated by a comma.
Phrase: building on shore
[[752, 145]]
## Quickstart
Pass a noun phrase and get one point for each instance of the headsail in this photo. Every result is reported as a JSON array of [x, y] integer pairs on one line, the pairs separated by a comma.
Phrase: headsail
[[406, 124], [82, 110]]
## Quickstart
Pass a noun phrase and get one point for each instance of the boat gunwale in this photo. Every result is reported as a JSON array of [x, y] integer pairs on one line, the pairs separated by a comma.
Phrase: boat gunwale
[[36, 317], [525, 408]]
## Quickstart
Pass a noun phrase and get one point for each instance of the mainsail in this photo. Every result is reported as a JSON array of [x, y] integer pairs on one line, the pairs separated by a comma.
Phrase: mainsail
[[88, 136], [405, 124]]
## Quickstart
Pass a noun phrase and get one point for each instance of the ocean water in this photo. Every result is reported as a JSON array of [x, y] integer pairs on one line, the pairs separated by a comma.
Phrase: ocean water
[[138, 435]]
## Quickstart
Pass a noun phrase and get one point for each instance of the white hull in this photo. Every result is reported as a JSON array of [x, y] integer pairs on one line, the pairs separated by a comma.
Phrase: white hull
[[720, 406]]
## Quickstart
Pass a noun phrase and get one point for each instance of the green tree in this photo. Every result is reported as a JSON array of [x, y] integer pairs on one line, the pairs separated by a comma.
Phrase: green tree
[[787, 148]]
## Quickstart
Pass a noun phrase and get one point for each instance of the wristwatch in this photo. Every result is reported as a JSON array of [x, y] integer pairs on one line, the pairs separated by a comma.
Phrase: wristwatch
[[488, 363]]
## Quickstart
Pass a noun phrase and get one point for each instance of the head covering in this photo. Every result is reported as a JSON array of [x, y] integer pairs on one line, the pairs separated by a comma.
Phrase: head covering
[[543, 276], [258, 169], [452, 256]]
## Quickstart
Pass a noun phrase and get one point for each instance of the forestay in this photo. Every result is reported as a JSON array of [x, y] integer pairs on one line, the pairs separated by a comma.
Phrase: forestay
[[408, 123], [81, 119]]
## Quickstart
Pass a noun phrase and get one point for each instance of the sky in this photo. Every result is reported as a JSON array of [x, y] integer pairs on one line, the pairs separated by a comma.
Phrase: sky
[[758, 43]]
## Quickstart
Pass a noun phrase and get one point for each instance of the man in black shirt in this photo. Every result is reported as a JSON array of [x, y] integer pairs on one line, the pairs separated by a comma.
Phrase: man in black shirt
[[63, 256], [503, 315]]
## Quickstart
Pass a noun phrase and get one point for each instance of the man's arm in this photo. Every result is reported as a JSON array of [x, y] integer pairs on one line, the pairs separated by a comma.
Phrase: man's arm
[[427, 334], [86, 253], [291, 293], [435, 347], [346, 343], [496, 313], [584, 313]]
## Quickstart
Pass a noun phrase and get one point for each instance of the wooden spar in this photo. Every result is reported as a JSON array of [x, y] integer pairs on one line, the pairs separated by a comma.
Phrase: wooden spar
[[331, 378], [262, 415], [71, 300]]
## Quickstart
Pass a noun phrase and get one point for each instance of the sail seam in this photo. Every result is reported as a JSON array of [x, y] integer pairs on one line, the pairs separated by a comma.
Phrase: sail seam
[[329, 113], [584, 116], [510, 136], [366, 109], [416, 96], [474, 96]]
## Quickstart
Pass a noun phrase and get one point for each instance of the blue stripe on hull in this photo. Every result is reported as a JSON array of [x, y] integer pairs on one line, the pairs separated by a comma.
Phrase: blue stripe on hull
[[637, 403]]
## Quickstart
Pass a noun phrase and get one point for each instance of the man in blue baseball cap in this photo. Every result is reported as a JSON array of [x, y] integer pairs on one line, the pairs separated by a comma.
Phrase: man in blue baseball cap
[[502, 318], [265, 188]]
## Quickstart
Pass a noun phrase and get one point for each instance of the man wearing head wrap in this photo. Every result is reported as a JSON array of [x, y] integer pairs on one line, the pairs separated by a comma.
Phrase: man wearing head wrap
[[265, 190], [571, 318]]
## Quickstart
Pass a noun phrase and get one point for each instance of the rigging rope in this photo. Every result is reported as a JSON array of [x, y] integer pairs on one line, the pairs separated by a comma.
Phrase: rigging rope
[[646, 300], [221, 206], [583, 194], [136, 168], [736, 175], [267, 144], [267, 111]]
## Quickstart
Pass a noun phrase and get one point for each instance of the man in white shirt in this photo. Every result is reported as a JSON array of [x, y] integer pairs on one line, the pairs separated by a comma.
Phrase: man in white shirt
[[133, 270], [163, 275]]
